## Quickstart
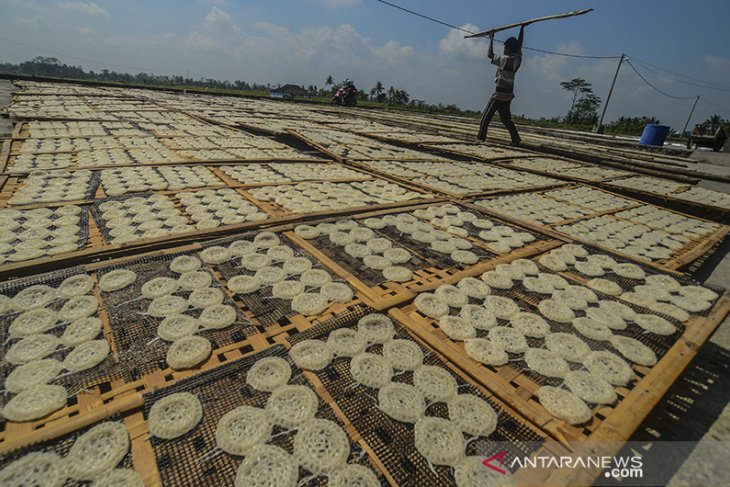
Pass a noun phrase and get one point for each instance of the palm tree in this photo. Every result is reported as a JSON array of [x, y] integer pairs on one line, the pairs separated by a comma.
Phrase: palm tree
[[377, 91], [715, 120], [329, 81], [391, 95]]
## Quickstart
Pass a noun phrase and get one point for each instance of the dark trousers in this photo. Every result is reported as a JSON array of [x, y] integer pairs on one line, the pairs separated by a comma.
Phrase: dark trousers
[[503, 107]]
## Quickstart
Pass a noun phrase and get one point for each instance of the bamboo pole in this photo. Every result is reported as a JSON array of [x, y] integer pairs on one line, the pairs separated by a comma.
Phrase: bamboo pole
[[527, 22]]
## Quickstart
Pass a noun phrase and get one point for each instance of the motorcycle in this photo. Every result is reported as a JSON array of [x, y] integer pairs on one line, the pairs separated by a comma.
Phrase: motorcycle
[[345, 96]]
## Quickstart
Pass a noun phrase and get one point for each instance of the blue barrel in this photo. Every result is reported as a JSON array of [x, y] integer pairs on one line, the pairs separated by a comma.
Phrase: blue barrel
[[654, 134]]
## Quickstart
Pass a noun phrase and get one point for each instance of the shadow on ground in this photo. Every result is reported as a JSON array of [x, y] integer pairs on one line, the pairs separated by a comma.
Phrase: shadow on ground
[[684, 415]]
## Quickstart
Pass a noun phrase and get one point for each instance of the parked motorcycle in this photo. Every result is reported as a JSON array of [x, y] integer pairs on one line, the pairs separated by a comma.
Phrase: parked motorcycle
[[346, 95]]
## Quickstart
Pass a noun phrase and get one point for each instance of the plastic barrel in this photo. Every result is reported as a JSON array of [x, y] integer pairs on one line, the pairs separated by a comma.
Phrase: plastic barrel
[[654, 134]]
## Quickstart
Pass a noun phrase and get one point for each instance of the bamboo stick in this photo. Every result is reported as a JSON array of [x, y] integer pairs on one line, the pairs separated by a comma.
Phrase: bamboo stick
[[531, 21]]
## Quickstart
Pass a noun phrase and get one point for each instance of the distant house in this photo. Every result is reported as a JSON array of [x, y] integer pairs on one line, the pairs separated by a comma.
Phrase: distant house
[[290, 91]]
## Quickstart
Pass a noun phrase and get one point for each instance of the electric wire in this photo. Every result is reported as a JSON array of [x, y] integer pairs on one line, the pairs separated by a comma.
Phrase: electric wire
[[570, 55], [645, 65], [662, 74], [628, 61], [705, 100], [425, 17], [708, 83], [498, 40]]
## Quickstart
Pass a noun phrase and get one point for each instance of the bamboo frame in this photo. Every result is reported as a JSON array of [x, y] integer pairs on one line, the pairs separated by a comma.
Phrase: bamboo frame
[[389, 294], [106, 250], [618, 428], [344, 159], [181, 162], [94, 404], [509, 164], [515, 153], [127, 398], [694, 249], [5, 154], [456, 196], [522, 477], [672, 200], [619, 421]]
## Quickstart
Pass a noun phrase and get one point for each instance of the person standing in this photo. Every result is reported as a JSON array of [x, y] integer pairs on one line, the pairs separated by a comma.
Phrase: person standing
[[501, 99]]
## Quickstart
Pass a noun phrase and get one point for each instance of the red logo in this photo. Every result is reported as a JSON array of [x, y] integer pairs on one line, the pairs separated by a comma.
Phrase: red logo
[[499, 456]]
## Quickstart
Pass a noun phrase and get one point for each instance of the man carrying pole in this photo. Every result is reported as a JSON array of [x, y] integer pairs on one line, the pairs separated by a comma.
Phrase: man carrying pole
[[507, 66], [501, 99]]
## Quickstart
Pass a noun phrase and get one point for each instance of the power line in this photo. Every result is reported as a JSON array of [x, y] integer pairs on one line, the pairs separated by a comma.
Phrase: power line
[[661, 72], [719, 86], [715, 104], [628, 61], [702, 98], [470, 32], [424, 16], [644, 64], [570, 55]]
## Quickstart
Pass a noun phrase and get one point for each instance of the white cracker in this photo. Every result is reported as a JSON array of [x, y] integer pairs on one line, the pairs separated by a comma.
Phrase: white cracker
[[174, 415]]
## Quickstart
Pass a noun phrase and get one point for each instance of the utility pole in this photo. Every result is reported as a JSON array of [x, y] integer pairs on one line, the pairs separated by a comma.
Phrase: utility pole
[[689, 118], [599, 126]]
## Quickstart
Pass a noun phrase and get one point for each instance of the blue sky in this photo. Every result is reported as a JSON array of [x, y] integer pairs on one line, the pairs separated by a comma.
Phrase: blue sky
[[303, 41]]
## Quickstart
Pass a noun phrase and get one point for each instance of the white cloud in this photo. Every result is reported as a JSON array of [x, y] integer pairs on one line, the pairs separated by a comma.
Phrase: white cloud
[[393, 52], [273, 53], [549, 67], [218, 19], [24, 4], [717, 63], [202, 42], [92, 8], [141, 40], [454, 44]]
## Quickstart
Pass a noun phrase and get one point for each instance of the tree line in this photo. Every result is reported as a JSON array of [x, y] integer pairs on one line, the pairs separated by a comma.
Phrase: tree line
[[584, 106], [52, 67], [582, 114], [391, 96]]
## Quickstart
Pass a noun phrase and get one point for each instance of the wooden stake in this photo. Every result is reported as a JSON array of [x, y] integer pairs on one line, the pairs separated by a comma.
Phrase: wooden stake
[[531, 21]]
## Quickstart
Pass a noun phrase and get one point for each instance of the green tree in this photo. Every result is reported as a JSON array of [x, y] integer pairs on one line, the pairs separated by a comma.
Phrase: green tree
[[329, 81], [391, 95], [630, 125], [586, 109], [378, 92], [584, 103], [577, 87], [714, 122], [401, 97]]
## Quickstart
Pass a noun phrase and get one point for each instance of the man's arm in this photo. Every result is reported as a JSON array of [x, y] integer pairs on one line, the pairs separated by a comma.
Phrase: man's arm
[[490, 53], [521, 37]]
